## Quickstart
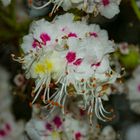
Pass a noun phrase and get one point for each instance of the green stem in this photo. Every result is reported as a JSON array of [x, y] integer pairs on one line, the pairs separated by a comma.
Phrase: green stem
[[136, 9]]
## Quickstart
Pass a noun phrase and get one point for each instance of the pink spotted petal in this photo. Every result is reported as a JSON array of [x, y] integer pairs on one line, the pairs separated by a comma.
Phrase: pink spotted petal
[[2, 133], [72, 35], [57, 121], [97, 64], [48, 126], [8, 127], [139, 88], [105, 2], [71, 56], [94, 34], [36, 44], [78, 136], [78, 62], [45, 37]]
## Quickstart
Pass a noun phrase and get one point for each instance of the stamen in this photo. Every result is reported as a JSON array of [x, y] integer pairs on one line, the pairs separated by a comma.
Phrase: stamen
[[41, 7]]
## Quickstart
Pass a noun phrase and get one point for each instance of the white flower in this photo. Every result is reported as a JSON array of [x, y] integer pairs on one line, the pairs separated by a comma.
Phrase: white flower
[[124, 48], [107, 8], [9, 128], [39, 129], [76, 129], [68, 58], [108, 133]]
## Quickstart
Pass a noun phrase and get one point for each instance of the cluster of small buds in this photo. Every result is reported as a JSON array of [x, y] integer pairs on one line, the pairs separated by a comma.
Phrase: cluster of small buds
[[107, 8], [68, 58]]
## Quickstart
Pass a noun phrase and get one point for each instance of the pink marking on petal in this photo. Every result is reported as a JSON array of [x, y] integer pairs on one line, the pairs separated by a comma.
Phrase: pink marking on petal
[[97, 64], [8, 127], [48, 126], [78, 62], [36, 43], [105, 2], [82, 112], [94, 34], [78, 136], [2, 133], [139, 88], [71, 56], [72, 35], [65, 30], [45, 37], [57, 121]]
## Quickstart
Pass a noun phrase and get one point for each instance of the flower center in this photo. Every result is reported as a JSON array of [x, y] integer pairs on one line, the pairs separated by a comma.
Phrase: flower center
[[39, 68], [49, 65]]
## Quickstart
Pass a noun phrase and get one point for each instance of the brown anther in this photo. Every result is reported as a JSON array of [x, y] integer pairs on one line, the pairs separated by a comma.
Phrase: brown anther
[[64, 37], [104, 87], [83, 91], [107, 74], [91, 80], [112, 110], [30, 2], [67, 73], [94, 85], [82, 80], [65, 46], [50, 14], [49, 101], [98, 126], [94, 78], [30, 104], [53, 103], [51, 85], [56, 104], [42, 97], [61, 106]]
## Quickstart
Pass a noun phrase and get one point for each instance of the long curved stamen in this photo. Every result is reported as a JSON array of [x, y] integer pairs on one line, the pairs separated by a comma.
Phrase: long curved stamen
[[39, 90], [59, 4], [97, 110], [41, 7]]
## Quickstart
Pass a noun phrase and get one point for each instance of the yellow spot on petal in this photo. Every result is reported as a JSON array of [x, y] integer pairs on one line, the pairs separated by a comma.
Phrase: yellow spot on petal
[[49, 65], [39, 68], [55, 135]]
